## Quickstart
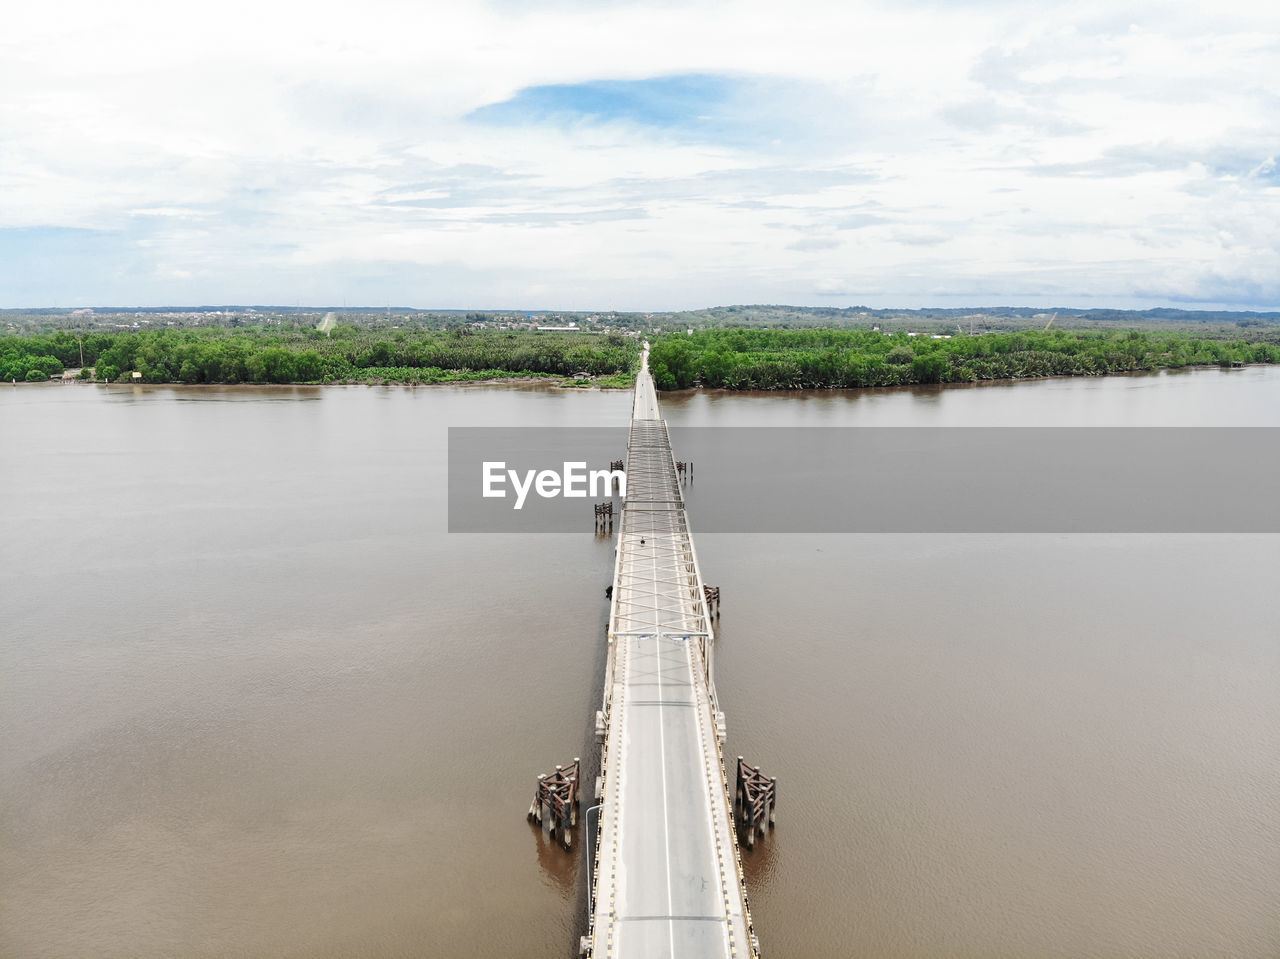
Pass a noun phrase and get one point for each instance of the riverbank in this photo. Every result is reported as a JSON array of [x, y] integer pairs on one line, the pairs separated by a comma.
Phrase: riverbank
[[1006, 381], [605, 384], [626, 382]]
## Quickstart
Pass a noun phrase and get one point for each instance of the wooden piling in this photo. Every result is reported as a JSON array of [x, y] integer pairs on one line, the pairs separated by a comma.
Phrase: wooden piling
[[555, 804], [758, 796], [712, 596]]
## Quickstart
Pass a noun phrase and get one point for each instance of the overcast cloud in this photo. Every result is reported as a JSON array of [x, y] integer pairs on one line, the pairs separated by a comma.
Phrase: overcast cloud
[[640, 156]]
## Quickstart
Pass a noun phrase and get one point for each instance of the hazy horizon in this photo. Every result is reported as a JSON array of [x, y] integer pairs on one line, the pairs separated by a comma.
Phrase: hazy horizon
[[401, 308]]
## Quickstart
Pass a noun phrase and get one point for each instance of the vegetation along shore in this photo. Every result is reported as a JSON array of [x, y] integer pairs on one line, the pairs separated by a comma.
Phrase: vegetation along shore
[[847, 359], [734, 359]]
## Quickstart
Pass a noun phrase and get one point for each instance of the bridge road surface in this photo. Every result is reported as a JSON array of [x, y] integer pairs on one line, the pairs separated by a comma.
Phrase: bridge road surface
[[668, 879]]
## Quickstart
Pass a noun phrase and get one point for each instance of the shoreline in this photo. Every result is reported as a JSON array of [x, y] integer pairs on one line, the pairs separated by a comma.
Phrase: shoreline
[[546, 382], [973, 384]]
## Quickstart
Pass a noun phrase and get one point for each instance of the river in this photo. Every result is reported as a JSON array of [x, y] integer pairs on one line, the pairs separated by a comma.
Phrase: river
[[256, 701]]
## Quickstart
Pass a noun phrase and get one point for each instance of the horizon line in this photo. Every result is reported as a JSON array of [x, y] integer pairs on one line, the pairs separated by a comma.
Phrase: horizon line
[[242, 307]]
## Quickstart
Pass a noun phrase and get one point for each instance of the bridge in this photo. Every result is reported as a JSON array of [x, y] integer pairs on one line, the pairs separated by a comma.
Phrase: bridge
[[668, 878]]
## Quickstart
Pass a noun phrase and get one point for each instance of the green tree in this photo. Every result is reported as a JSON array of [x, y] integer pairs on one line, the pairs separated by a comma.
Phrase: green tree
[[900, 355]]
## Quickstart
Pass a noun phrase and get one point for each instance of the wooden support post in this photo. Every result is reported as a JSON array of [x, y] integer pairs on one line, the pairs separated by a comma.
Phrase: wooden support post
[[573, 802], [535, 808]]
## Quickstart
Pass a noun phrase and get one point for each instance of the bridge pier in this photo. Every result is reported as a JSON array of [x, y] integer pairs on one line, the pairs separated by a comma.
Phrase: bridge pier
[[555, 803], [712, 596], [757, 796]]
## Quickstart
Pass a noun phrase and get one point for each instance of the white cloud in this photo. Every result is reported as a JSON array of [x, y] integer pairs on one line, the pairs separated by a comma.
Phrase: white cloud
[[273, 152]]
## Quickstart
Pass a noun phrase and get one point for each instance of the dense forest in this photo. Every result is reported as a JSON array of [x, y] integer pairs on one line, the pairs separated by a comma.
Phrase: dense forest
[[729, 359], [347, 354], [809, 359]]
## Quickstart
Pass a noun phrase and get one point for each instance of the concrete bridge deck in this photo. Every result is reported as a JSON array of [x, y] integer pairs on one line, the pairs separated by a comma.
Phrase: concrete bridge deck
[[668, 878]]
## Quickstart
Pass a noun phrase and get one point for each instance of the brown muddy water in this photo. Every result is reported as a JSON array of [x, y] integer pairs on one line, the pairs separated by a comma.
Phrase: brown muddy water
[[255, 701]]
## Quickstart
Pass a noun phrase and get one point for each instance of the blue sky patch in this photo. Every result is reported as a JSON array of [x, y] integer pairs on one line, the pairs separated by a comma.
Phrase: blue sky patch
[[753, 113], [665, 102]]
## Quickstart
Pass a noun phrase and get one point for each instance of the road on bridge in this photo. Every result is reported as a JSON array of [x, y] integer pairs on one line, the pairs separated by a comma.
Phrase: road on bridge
[[668, 876]]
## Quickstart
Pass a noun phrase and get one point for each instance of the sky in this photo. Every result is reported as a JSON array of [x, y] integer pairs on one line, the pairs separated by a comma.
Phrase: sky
[[640, 155]]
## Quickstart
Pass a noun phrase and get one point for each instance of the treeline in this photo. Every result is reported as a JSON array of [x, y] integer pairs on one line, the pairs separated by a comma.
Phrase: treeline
[[730, 359], [348, 354], [842, 359]]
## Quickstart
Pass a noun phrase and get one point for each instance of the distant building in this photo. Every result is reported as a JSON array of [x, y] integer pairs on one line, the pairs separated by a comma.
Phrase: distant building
[[571, 328]]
